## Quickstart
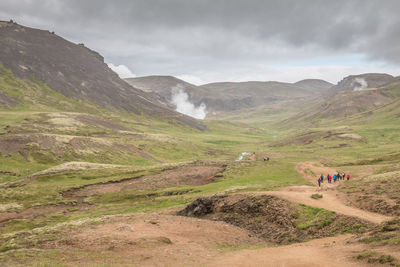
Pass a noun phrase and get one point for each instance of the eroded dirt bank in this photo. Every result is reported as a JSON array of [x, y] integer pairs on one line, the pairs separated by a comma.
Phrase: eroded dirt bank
[[273, 219]]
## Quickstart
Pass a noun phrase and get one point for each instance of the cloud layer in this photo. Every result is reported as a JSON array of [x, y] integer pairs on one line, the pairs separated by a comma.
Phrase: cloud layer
[[226, 40]]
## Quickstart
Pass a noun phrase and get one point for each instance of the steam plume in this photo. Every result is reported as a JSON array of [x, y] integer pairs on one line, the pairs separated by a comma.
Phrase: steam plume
[[242, 155], [360, 84], [181, 100]]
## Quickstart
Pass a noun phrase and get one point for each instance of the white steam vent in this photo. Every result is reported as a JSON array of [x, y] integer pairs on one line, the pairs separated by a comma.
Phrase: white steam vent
[[242, 155], [181, 100], [359, 84]]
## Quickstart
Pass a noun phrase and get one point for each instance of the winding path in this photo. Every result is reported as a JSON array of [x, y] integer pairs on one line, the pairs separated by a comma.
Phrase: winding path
[[332, 199], [334, 251]]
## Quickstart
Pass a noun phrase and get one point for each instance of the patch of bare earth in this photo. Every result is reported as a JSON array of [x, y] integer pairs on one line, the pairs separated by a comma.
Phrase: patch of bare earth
[[336, 251], [150, 240], [37, 212]]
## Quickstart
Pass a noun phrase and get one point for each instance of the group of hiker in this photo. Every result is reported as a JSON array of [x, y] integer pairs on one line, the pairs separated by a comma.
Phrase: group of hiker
[[336, 177]]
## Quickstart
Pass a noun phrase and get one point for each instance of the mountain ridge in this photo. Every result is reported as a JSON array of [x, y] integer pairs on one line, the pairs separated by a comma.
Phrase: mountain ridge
[[76, 72]]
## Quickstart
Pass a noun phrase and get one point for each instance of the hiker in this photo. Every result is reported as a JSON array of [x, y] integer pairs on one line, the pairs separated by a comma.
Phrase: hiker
[[348, 177], [339, 177], [321, 178], [334, 178], [344, 176], [329, 178], [319, 182]]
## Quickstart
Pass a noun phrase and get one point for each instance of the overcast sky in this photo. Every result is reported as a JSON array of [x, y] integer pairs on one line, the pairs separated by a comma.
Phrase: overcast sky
[[226, 40]]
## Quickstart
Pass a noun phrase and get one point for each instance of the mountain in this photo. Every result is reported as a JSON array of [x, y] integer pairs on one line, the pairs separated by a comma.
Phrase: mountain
[[361, 81], [75, 71], [232, 96]]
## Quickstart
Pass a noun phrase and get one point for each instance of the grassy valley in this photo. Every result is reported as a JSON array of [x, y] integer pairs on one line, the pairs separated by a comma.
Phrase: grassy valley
[[93, 178]]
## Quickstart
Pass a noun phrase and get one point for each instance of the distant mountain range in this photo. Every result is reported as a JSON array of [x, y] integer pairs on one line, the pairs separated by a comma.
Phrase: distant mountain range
[[231, 96], [79, 73]]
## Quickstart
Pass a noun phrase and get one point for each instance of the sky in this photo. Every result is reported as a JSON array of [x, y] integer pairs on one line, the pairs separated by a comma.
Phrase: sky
[[203, 41]]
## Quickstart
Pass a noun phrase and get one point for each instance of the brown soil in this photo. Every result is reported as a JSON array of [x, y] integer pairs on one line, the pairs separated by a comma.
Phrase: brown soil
[[268, 217], [151, 240], [37, 212], [336, 251]]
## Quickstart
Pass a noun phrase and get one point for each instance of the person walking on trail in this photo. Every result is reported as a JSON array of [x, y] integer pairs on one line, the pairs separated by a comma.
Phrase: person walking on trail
[[348, 177], [334, 178], [319, 182], [329, 178], [321, 178], [344, 176]]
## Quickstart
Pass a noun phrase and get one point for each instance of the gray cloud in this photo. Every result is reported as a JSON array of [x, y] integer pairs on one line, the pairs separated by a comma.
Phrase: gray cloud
[[196, 37]]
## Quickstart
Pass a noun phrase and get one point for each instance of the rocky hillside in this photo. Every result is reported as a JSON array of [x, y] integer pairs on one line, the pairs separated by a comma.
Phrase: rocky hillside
[[75, 71], [362, 81]]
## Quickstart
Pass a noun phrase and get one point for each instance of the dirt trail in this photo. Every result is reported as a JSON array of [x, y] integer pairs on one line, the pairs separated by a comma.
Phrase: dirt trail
[[336, 251], [311, 171], [332, 200]]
